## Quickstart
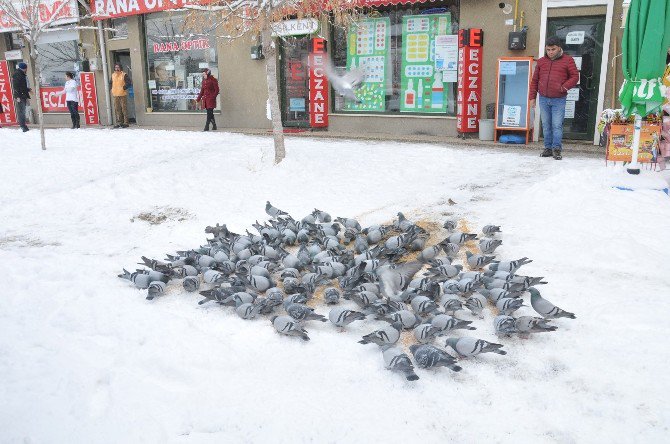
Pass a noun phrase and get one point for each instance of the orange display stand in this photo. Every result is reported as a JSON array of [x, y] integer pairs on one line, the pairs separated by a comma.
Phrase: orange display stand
[[621, 139], [513, 113]]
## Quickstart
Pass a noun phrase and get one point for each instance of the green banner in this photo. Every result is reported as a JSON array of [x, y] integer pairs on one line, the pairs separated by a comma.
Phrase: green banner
[[368, 43], [429, 61]]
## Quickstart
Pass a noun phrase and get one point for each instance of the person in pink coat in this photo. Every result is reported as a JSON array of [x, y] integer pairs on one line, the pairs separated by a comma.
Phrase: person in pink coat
[[208, 92]]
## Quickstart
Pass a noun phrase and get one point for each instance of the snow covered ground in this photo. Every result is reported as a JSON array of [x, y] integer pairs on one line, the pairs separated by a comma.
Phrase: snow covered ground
[[85, 358]]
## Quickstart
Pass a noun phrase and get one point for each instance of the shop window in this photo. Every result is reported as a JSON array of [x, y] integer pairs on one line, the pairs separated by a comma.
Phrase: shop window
[[175, 60], [119, 28], [55, 59], [409, 56]]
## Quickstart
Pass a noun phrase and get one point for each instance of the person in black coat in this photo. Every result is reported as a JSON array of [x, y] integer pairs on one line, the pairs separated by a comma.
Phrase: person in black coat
[[21, 94]]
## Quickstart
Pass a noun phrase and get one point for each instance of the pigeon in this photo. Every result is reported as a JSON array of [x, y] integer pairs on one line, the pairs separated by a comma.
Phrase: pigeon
[[495, 294], [341, 316], [402, 223], [302, 313], [141, 280], [507, 306], [504, 325], [450, 225], [478, 260], [429, 253], [428, 356], [488, 246], [322, 216], [423, 305], [349, 223], [191, 283], [393, 280], [407, 318], [468, 346], [249, 310], [213, 277], [331, 295], [243, 297], [388, 335], [396, 360], [525, 325], [444, 272], [274, 211], [345, 84], [460, 238], [451, 303], [476, 304], [546, 308], [424, 333], [510, 266], [445, 323], [286, 325], [374, 234], [491, 230], [450, 249], [156, 288]]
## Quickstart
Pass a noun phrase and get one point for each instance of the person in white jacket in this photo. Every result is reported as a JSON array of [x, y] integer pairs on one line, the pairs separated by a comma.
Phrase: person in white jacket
[[71, 91]]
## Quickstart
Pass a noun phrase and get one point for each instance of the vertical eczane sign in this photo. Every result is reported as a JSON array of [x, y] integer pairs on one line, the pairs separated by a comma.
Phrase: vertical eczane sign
[[89, 97], [469, 82], [318, 84], [8, 115]]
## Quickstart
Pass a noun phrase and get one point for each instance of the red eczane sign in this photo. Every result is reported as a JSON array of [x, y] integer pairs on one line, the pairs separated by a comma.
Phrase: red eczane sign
[[318, 84], [54, 103], [469, 82], [8, 116], [89, 97]]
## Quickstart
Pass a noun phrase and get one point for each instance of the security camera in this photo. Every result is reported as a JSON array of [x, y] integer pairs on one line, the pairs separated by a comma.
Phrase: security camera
[[506, 7]]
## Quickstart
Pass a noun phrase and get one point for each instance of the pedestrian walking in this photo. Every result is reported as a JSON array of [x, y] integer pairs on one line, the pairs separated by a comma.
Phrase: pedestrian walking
[[71, 91], [208, 92], [120, 83], [554, 75], [21, 94]]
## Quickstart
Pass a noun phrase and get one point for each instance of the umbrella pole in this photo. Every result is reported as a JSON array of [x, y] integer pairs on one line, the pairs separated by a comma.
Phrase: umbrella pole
[[634, 167]]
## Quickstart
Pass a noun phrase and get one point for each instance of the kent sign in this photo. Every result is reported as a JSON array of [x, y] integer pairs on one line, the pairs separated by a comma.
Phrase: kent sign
[[468, 103], [295, 27]]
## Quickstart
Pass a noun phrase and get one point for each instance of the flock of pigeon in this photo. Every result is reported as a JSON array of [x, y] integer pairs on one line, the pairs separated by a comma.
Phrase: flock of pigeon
[[388, 272]]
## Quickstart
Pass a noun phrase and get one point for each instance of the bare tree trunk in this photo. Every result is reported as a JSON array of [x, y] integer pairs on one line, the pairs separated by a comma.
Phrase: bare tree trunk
[[270, 50], [36, 92]]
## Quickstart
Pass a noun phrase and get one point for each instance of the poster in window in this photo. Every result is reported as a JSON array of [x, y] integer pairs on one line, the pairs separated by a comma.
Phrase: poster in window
[[368, 43], [429, 59]]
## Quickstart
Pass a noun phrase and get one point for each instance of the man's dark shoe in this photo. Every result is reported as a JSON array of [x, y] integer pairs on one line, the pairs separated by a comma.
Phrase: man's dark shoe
[[116, 126], [25, 128], [546, 153], [557, 155], [213, 126], [124, 125]]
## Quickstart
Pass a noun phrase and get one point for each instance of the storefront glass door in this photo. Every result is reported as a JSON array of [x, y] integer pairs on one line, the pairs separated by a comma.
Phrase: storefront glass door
[[123, 57], [582, 38], [295, 81]]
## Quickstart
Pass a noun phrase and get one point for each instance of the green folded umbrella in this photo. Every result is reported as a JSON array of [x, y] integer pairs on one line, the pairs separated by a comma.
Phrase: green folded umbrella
[[646, 39]]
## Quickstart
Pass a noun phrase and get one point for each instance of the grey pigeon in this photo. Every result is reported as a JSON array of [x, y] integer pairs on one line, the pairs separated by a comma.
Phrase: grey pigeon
[[341, 316], [273, 211], [511, 266], [290, 272], [424, 333], [213, 277], [478, 260], [546, 308], [374, 234], [491, 230], [301, 312], [450, 249], [451, 303], [349, 223], [191, 283], [423, 305], [156, 288], [322, 216], [141, 280], [249, 310], [488, 246], [260, 283], [504, 325], [393, 280], [297, 298], [407, 318], [429, 253], [345, 84], [428, 356], [468, 346], [496, 294], [507, 306], [388, 335], [460, 238], [331, 295], [445, 323], [402, 223], [396, 360], [444, 272], [476, 304], [286, 325], [526, 325], [450, 225]]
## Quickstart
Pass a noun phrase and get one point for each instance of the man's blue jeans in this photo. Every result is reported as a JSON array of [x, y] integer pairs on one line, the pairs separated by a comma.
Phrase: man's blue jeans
[[21, 112], [552, 113]]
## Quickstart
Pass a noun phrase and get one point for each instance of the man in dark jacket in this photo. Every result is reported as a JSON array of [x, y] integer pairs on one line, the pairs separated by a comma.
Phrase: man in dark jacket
[[21, 94], [554, 75]]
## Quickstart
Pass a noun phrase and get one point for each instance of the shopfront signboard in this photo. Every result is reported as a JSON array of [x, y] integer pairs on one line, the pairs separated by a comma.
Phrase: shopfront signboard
[[513, 113], [295, 27], [429, 60], [8, 115], [14, 54], [89, 98], [469, 95], [52, 12], [318, 84], [368, 43], [621, 140], [105, 9], [53, 102]]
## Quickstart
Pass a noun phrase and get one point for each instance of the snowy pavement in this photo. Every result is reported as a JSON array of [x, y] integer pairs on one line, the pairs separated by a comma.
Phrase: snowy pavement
[[85, 358]]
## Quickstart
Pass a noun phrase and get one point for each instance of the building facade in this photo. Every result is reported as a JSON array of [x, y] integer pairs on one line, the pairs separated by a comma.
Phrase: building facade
[[408, 50]]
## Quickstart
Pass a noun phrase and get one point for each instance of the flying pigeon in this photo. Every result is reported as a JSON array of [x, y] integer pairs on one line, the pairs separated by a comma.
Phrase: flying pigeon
[[428, 356], [396, 360], [546, 308], [468, 346], [393, 280], [345, 84]]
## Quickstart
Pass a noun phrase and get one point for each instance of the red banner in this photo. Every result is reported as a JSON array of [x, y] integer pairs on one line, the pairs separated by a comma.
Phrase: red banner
[[90, 98], [318, 84], [104, 9], [469, 84], [54, 103], [51, 12], [8, 115]]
